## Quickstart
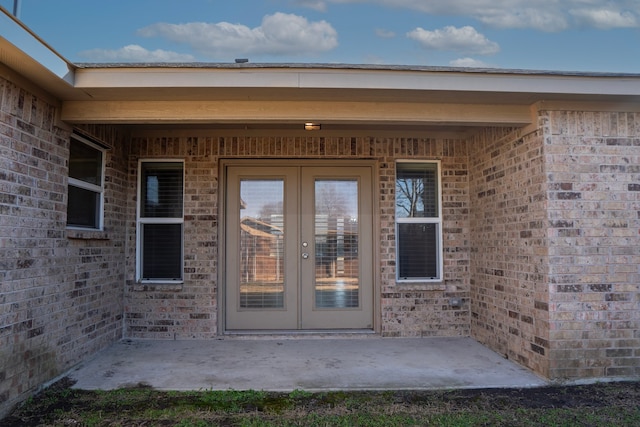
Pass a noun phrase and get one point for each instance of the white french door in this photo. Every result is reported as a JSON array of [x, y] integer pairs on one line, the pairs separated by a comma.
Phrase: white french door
[[299, 247]]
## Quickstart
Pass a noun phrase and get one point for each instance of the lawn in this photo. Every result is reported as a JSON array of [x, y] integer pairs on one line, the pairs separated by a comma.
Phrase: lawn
[[602, 404]]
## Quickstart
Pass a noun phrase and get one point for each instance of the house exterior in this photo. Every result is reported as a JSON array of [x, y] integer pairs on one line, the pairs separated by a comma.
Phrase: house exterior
[[165, 201]]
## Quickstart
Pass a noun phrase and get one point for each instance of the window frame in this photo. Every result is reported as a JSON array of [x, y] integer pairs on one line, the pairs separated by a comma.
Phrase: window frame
[[141, 221], [78, 183], [437, 221]]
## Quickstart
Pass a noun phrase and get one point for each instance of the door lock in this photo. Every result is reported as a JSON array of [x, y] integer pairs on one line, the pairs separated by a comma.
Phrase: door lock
[[305, 256]]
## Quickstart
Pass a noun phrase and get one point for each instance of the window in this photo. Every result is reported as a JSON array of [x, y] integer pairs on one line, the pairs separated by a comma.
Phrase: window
[[418, 222], [160, 221], [86, 184]]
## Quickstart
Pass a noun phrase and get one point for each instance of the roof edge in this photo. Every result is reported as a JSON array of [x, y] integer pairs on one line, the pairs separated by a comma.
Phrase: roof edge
[[345, 66], [19, 35]]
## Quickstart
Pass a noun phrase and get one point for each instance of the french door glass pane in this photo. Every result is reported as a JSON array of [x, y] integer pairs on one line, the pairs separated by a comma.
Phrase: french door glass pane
[[162, 251], [336, 244], [262, 244]]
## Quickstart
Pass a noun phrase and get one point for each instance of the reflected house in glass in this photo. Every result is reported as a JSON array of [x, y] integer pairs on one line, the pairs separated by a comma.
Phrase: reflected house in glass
[[261, 252]]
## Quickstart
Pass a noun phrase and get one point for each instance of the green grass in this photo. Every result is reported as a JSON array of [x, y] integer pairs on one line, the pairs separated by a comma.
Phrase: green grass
[[606, 404]]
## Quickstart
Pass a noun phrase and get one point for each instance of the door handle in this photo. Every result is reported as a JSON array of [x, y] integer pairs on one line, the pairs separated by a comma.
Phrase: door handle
[[305, 256]]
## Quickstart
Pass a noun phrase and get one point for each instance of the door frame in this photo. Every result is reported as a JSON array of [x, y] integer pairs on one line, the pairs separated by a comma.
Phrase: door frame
[[221, 294]]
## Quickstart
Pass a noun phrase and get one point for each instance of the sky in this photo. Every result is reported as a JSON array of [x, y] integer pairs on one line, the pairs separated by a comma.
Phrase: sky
[[557, 35]]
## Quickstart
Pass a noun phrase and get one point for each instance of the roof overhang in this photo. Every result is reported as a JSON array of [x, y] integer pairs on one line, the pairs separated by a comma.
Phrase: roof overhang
[[24, 52], [338, 95]]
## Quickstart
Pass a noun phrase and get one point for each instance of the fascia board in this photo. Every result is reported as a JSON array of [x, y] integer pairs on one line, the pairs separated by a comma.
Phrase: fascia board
[[149, 77], [108, 78], [476, 82]]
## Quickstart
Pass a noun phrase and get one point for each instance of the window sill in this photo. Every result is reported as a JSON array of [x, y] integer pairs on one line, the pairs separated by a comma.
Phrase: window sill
[[422, 286], [158, 286], [87, 234]]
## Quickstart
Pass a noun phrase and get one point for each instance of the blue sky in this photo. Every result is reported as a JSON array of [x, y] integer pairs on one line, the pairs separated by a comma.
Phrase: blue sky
[[562, 35]]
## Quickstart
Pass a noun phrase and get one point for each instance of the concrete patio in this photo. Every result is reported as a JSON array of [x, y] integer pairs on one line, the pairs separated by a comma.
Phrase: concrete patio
[[313, 364]]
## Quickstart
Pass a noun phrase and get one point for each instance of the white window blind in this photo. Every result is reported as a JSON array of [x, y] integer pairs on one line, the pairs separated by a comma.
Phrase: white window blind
[[161, 221], [418, 221]]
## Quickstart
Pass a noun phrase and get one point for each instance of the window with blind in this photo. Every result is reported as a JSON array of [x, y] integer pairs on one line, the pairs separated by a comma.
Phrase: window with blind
[[418, 222], [86, 184], [160, 221]]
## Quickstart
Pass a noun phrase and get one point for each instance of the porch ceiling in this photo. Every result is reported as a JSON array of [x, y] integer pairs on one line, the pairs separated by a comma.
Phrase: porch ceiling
[[240, 95], [339, 97]]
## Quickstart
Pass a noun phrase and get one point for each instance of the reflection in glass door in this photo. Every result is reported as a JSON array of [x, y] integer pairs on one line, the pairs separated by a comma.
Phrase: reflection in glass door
[[336, 244], [336, 281], [260, 248], [261, 244], [298, 248]]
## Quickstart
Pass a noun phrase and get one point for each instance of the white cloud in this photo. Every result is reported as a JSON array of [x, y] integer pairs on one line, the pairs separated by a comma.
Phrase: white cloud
[[465, 40], [279, 34], [135, 53], [317, 5], [543, 15], [385, 34], [470, 63], [605, 19], [536, 19]]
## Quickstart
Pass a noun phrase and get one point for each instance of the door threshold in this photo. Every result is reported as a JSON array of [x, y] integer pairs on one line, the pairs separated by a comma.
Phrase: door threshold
[[297, 334]]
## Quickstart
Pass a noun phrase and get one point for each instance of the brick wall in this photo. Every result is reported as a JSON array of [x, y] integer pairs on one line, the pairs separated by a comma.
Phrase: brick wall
[[425, 310], [186, 310], [60, 292], [509, 291], [593, 162], [556, 248], [190, 310]]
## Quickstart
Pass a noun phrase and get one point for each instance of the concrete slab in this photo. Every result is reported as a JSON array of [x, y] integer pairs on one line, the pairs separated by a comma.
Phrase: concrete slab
[[308, 364]]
